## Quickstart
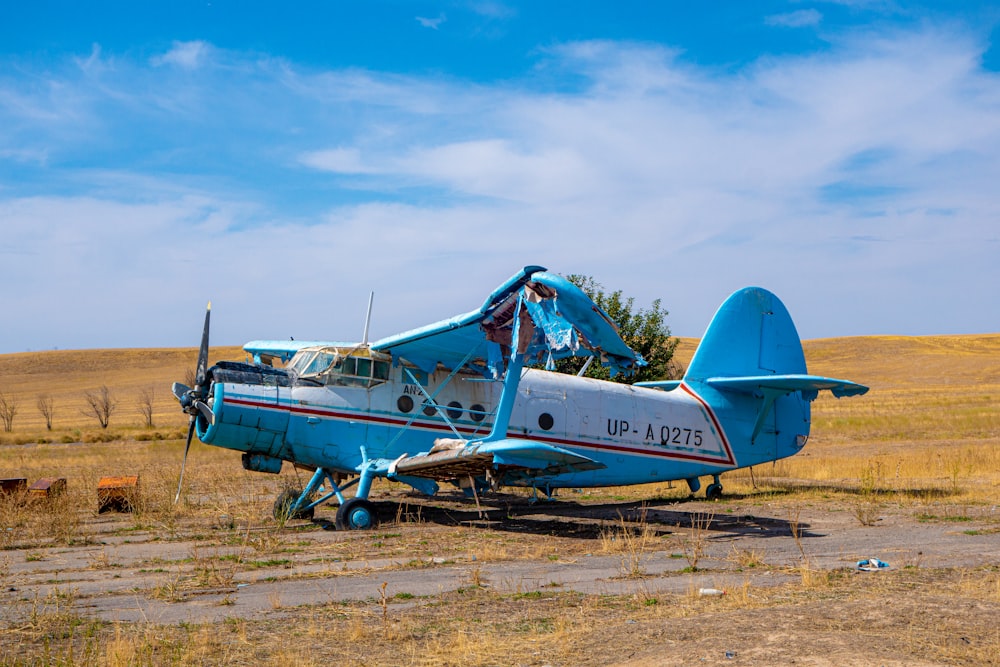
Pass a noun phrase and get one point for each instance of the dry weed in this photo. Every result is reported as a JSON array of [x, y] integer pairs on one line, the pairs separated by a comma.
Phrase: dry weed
[[745, 558], [795, 527], [741, 597], [405, 514], [695, 540], [812, 578], [631, 542]]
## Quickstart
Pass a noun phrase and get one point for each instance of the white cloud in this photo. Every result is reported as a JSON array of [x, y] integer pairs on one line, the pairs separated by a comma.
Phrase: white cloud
[[92, 61], [491, 9], [801, 18], [432, 23], [285, 194], [337, 160], [186, 55]]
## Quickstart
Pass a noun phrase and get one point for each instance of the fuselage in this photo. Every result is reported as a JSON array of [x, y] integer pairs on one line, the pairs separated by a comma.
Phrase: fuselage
[[337, 420]]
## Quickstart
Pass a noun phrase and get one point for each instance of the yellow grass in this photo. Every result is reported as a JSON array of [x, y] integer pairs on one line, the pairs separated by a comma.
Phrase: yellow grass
[[929, 428], [930, 421], [66, 375]]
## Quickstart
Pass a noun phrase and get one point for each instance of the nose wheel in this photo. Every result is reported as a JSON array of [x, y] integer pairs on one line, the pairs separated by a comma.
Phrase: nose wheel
[[356, 514]]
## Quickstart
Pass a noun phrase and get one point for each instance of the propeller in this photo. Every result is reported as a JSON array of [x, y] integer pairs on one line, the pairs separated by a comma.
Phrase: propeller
[[193, 400]]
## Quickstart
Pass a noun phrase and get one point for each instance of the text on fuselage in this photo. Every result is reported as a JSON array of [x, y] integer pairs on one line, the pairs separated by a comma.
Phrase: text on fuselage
[[662, 433]]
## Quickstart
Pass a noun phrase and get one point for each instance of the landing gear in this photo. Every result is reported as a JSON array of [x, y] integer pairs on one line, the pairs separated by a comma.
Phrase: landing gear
[[356, 514], [714, 490], [283, 506]]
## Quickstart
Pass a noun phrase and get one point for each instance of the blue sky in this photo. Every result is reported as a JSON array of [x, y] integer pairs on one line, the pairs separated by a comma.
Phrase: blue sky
[[285, 161]]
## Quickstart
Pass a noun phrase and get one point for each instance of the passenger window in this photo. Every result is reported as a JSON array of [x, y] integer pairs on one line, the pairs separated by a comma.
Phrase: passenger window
[[357, 372]]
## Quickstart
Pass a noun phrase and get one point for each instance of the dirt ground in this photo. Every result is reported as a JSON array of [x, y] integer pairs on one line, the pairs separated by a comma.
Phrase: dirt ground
[[556, 583]]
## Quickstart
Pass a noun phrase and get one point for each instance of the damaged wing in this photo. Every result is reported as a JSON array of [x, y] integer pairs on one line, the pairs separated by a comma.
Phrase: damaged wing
[[553, 319], [451, 459]]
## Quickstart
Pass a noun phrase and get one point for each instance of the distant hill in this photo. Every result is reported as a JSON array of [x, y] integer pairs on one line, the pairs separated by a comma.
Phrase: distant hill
[[923, 388]]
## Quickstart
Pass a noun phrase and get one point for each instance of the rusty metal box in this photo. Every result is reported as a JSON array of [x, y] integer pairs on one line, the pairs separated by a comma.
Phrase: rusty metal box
[[13, 485], [117, 493], [47, 487]]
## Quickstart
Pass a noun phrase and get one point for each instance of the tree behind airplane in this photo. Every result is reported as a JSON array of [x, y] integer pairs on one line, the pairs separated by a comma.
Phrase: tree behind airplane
[[645, 331]]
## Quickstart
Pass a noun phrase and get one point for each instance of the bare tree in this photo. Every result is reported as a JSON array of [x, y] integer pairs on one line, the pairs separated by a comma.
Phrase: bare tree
[[8, 409], [101, 405], [46, 407], [145, 403]]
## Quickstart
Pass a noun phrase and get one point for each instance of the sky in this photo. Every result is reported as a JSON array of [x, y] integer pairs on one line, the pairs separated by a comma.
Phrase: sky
[[284, 160]]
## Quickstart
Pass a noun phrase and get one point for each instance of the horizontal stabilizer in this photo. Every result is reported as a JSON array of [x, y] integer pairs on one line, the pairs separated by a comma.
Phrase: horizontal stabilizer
[[665, 385], [809, 385], [458, 458], [771, 387]]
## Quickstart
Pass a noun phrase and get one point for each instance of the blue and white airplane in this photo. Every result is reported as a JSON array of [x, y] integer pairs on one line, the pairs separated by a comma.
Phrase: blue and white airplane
[[465, 401]]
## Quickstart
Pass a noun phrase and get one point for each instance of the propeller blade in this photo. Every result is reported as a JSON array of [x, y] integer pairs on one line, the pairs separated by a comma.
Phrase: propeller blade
[[199, 377], [206, 411], [180, 481], [179, 390]]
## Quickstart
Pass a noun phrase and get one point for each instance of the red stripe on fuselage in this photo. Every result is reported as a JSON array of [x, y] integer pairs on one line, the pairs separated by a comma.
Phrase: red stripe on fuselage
[[443, 428], [731, 460]]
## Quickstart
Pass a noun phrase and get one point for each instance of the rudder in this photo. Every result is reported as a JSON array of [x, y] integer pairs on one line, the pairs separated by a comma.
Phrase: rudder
[[751, 334]]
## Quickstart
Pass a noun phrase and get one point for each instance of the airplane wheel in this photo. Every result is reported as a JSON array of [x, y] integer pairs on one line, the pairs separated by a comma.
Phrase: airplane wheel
[[283, 503], [713, 492], [356, 514]]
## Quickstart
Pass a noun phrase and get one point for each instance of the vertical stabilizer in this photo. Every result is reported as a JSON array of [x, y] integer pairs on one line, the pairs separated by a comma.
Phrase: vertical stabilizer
[[752, 334]]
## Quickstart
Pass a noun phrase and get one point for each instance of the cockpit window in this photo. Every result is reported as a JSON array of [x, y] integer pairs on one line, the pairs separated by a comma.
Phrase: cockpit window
[[361, 371], [312, 362], [343, 367]]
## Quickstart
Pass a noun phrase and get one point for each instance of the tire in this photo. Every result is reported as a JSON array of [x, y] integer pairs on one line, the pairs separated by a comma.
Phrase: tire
[[356, 514], [283, 503], [713, 492]]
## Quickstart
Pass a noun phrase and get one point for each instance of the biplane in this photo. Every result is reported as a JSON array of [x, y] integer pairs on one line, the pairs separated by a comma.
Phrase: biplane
[[473, 401]]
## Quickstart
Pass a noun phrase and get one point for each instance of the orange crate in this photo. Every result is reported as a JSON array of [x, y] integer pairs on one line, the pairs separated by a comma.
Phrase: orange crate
[[47, 487], [119, 493]]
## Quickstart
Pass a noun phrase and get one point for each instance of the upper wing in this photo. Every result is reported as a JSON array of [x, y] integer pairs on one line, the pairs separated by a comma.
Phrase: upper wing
[[266, 350], [557, 320]]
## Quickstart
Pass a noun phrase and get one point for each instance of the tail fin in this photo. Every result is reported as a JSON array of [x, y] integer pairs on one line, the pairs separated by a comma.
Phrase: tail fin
[[751, 352], [752, 334], [751, 372]]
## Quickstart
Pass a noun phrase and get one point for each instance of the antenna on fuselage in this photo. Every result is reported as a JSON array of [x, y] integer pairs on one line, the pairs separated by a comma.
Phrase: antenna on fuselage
[[368, 318]]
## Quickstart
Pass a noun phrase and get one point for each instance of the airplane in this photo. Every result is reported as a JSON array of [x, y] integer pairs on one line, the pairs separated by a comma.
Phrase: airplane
[[472, 401]]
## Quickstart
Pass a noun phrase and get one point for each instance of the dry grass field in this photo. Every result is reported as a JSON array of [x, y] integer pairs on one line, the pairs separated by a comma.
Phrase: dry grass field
[[909, 473]]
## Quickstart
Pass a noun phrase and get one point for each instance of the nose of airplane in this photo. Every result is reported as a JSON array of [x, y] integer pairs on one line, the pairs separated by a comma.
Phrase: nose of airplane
[[192, 400]]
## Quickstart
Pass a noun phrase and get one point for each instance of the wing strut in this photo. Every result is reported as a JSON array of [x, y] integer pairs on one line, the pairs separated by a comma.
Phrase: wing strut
[[520, 337]]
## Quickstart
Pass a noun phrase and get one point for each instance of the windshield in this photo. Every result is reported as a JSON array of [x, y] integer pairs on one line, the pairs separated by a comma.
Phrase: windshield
[[311, 362], [345, 367]]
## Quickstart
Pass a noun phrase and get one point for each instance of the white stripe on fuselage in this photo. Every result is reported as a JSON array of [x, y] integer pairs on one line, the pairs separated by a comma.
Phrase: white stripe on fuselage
[[600, 417]]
